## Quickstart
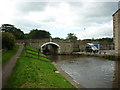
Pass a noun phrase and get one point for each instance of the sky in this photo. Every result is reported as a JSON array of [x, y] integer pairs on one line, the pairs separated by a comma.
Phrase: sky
[[85, 19]]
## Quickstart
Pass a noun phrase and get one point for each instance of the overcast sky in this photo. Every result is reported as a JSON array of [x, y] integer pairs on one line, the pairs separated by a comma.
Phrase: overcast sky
[[85, 19]]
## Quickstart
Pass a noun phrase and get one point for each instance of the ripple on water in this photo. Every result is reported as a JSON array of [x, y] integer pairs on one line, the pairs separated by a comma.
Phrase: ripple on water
[[90, 72]]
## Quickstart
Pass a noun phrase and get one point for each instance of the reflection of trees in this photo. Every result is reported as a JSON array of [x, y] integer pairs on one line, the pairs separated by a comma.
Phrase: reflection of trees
[[116, 81]]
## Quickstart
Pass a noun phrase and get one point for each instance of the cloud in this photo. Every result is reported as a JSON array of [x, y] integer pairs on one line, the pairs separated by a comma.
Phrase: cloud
[[104, 30], [61, 18], [27, 7]]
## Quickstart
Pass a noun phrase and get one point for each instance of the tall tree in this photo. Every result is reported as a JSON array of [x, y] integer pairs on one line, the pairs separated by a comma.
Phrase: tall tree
[[7, 27], [39, 34], [15, 31], [71, 36]]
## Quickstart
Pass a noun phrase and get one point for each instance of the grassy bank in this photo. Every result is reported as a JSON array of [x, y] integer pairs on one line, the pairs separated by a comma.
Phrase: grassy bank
[[8, 54], [33, 73]]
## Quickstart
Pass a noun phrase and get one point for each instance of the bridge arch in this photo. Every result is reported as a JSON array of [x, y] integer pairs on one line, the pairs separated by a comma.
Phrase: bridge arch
[[52, 47]]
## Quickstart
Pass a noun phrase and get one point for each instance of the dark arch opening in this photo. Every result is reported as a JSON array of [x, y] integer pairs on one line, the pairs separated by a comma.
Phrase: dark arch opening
[[50, 49]]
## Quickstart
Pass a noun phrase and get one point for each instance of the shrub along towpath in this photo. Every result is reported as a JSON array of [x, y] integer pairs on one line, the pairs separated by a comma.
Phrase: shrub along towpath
[[29, 72]]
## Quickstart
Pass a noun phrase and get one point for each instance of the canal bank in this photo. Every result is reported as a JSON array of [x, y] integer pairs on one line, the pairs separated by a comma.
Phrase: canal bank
[[67, 76]]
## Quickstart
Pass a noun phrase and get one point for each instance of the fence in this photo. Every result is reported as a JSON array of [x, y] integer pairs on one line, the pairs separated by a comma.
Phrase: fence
[[34, 54]]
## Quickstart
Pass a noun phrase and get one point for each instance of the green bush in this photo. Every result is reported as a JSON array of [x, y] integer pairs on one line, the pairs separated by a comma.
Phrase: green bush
[[8, 40]]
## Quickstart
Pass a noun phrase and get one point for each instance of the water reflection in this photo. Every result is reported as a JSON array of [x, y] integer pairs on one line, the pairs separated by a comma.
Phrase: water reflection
[[90, 72]]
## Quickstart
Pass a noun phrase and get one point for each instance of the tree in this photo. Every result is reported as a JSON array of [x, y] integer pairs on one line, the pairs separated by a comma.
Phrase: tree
[[39, 34], [71, 36], [7, 27], [26, 36], [8, 40], [18, 34], [56, 38], [15, 31]]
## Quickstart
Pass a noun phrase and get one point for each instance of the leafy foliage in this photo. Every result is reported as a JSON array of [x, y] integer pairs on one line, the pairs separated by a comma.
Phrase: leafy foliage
[[7, 27], [39, 34], [26, 36], [71, 36], [8, 40], [57, 38], [18, 34], [15, 31]]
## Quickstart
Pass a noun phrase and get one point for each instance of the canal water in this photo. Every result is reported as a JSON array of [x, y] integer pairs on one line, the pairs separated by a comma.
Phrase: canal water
[[90, 72]]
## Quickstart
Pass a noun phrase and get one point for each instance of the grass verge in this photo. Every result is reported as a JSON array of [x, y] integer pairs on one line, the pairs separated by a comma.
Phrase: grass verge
[[8, 54], [33, 73]]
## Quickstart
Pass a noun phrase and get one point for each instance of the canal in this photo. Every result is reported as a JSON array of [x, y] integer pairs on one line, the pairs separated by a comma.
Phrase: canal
[[90, 72]]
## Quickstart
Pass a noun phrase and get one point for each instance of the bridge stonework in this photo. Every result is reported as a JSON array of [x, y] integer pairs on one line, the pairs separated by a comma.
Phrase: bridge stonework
[[66, 46]]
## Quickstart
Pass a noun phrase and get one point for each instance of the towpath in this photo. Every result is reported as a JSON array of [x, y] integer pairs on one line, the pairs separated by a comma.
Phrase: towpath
[[7, 68]]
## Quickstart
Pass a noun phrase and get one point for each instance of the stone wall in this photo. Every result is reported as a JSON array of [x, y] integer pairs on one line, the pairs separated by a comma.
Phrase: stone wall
[[66, 46], [116, 31], [103, 45]]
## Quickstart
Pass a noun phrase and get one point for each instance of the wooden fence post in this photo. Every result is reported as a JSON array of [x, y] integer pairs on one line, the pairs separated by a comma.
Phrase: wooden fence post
[[38, 53], [25, 49]]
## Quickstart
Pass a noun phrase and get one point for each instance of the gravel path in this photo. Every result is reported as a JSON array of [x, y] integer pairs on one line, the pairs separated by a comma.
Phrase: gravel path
[[7, 68]]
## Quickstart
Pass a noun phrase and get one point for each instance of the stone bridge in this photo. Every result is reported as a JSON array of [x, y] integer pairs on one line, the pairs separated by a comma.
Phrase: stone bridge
[[59, 46], [56, 46]]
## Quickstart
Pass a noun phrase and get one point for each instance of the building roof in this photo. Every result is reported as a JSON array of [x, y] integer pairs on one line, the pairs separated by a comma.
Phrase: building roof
[[116, 12]]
